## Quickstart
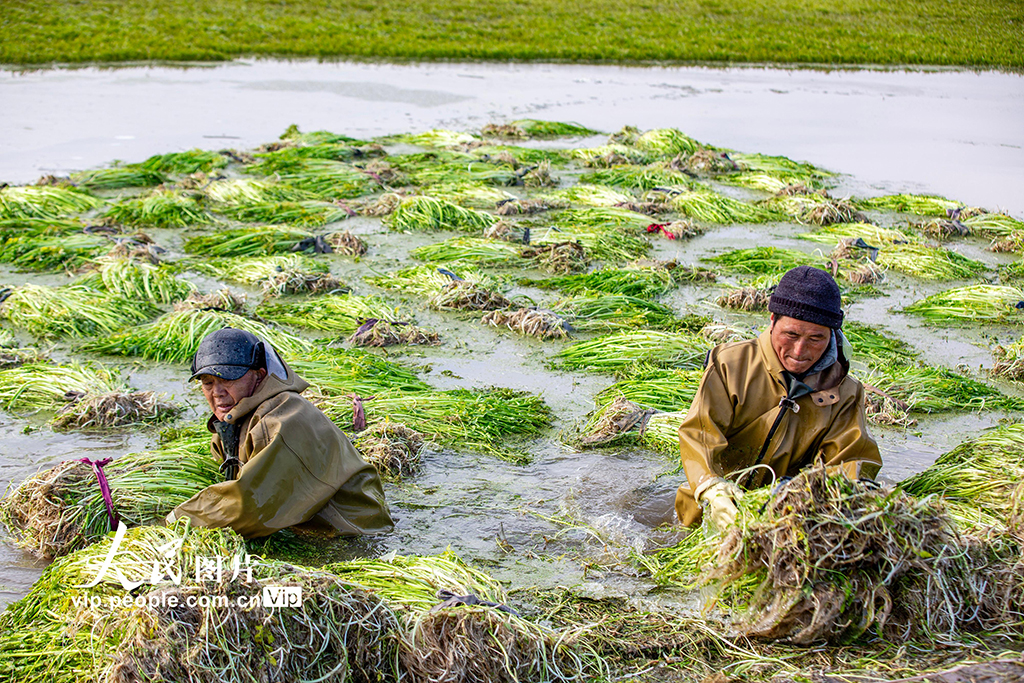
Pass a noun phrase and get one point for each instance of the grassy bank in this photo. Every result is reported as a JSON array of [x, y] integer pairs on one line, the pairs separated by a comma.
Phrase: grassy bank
[[984, 33]]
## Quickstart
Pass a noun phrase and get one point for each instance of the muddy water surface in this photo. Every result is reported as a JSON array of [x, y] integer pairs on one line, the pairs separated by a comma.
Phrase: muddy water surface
[[567, 517]]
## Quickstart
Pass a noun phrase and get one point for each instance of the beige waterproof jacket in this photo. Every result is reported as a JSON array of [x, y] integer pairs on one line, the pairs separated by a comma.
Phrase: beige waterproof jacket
[[297, 467], [739, 398]]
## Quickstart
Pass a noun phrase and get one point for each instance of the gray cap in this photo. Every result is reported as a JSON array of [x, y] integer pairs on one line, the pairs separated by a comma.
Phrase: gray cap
[[228, 354]]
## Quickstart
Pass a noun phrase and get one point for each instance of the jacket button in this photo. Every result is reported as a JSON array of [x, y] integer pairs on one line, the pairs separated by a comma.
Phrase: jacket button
[[831, 396], [227, 417], [821, 400]]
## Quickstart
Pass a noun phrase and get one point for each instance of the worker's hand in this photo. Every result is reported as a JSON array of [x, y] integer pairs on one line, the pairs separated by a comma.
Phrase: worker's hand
[[720, 497]]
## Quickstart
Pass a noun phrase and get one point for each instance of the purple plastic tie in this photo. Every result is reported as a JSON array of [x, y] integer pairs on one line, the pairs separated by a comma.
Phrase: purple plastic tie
[[97, 468], [368, 325], [358, 413]]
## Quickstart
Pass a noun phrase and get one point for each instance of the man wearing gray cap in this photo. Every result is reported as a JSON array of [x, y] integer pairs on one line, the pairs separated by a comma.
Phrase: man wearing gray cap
[[769, 406], [284, 462]]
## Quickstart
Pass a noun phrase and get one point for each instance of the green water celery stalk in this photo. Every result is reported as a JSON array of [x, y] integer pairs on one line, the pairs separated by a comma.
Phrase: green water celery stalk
[[72, 311]]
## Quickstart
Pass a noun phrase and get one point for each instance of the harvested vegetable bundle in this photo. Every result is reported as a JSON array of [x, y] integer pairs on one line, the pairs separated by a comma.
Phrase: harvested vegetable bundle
[[132, 279], [558, 257], [636, 177], [877, 346], [428, 279], [601, 219], [473, 419], [344, 242], [993, 224], [248, 242], [529, 322], [160, 208], [478, 644], [43, 202], [762, 260], [1009, 360], [873, 234], [328, 179], [517, 156], [276, 275], [60, 510], [666, 142], [462, 295], [519, 207], [380, 333], [71, 311], [221, 300], [781, 184], [705, 162], [184, 163], [115, 409], [175, 336], [535, 128], [246, 192], [594, 195], [626, 407], [476, 250], [306, 214], [711, 207], [746, 299], [185, 627], [608, 244], [393, 449], [437, 137], [288, 158], [931, 389], [53, 252], [342, 313], [46, 386], [496, 171], [832, 211], [341, 372], [117, 177], [930, 263], [617, 351], [427, 213], [978, 478], [974, 303], [720, 333], [777, 165], [827, 559], [469, 194], [608, 312], [639, 282], [471, 636], [12, 356], [922, 205], [613, 154]]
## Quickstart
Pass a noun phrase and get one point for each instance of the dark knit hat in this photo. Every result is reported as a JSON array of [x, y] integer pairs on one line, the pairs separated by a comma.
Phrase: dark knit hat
[[808, 294]]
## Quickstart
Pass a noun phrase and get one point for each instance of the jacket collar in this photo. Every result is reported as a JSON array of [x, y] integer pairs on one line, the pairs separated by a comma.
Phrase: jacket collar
[[271, 386]]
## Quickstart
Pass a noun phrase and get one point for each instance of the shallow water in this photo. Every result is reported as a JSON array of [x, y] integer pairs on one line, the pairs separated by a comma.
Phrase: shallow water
[[568, 517], [955, 133]]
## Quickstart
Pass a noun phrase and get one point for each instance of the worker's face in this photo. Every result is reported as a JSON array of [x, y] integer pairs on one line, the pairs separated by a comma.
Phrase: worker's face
[[797, 343], [223, 394]]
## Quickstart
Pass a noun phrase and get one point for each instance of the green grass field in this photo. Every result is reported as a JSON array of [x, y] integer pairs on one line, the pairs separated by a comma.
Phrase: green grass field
[[982, 33]]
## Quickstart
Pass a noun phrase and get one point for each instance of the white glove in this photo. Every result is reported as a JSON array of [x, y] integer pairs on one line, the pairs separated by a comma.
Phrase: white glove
[[719, 496]]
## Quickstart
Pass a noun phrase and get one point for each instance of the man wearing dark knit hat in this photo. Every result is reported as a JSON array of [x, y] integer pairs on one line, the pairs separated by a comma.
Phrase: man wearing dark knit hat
[[768, 407]]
